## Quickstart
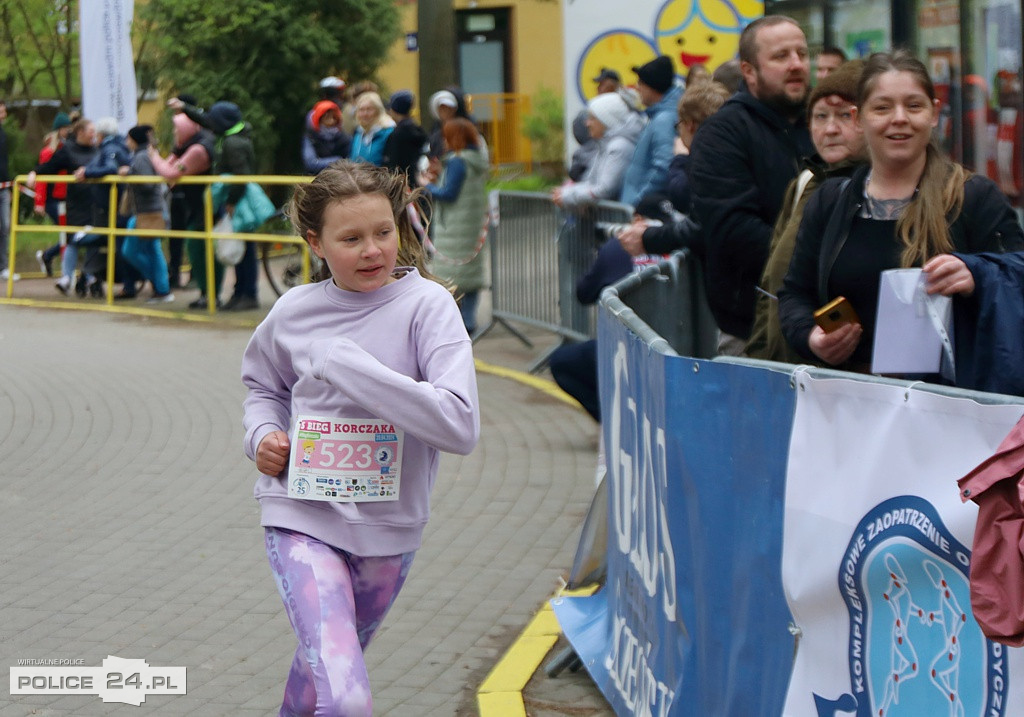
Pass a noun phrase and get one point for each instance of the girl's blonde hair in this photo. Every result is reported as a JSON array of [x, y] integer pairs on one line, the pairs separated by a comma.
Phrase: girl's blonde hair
[[923, 227], [345, 180]]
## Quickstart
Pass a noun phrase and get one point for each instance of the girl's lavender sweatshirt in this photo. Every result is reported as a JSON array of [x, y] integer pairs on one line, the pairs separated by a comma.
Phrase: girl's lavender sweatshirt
[[399, 354]]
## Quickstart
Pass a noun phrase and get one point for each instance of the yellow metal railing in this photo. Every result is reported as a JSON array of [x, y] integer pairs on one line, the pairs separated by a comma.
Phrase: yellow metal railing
[[112, 231], [500, 116]]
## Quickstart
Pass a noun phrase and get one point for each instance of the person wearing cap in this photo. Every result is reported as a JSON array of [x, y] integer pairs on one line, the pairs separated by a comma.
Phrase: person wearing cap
[[444, 105], [743, 158], [147, 208], [699, 101], [48, 199], [648, 170], [831, 111], [324, 142], [235, 155], [407, 142], [332, 89], [607, 81], [614, 127]]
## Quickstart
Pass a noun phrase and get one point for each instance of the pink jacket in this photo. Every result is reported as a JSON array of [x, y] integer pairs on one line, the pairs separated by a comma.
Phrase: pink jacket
[[997, 561]]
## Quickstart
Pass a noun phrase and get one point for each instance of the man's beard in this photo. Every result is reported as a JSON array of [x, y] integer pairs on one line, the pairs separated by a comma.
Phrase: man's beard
[[785, 105]]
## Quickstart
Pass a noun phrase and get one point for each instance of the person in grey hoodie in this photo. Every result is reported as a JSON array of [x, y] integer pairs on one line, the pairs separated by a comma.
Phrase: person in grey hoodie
[[147, 208], [615, 128]]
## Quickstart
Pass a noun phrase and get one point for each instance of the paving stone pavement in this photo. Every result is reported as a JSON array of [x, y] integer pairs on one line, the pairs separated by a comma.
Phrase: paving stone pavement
[[129, 528]]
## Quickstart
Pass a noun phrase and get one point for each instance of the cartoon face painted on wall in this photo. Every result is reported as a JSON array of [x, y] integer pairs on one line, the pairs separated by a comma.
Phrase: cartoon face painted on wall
[[618, 50], [702, 32]]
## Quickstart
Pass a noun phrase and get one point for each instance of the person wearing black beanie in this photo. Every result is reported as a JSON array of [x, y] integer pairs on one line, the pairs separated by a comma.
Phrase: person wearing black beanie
[[408, 142], [648, 171]]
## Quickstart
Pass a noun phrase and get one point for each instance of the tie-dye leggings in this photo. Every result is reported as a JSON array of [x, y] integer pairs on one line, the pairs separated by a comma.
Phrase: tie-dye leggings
[[335, 602]]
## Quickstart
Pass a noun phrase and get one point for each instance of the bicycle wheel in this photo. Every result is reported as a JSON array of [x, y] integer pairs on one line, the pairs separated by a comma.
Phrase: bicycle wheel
[[282, 264]]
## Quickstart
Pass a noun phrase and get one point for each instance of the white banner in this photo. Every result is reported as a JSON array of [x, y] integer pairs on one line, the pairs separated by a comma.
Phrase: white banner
[[876, 554], [108, 69]]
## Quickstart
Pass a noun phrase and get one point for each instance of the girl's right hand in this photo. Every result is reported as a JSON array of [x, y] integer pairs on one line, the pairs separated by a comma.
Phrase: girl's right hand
[[272, 453], [836, 347]]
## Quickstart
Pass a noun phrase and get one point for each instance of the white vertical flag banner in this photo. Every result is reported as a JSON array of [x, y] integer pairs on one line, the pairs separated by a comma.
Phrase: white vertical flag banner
[[108, 68], [876, 555]]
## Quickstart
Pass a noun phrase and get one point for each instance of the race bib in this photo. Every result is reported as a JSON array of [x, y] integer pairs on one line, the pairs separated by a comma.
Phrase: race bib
[[345, 460]]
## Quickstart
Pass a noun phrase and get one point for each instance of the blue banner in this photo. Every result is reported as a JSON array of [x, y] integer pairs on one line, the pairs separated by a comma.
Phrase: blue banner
[[693, 619]]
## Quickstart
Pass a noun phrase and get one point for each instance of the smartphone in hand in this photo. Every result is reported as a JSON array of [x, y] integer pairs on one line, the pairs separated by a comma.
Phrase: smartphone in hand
[[834, 314]]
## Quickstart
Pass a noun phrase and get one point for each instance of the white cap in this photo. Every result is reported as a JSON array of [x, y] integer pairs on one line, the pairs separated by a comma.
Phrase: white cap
[[332, 82], [442, 98]]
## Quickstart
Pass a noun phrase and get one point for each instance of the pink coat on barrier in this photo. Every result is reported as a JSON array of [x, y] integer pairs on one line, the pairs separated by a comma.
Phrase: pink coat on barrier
[[997, 561]]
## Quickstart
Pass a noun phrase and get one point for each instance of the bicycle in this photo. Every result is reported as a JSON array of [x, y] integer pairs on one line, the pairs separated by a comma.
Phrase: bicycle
[[282, 262]]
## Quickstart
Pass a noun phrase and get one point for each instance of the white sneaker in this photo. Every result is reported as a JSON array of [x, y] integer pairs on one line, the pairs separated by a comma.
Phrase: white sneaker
[[6, 274], [63, 285], [39, 258], [161, 299]]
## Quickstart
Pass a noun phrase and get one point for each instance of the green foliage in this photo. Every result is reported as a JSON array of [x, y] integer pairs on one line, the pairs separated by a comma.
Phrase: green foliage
[[543, 126], [39, 49], [20, 157], [524, 183], [266, 56]]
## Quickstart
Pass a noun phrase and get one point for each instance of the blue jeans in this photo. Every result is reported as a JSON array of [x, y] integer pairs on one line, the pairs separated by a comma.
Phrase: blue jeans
[[70, 260], [147, 256], [467, 307]]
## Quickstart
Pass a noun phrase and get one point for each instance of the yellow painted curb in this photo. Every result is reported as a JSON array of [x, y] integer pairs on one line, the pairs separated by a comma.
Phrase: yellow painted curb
[[195, 317], [541, 384], [501, 692]]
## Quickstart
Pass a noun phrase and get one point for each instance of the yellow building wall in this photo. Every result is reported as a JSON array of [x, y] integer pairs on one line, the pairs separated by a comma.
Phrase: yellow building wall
[[401, 71], [535, 53]]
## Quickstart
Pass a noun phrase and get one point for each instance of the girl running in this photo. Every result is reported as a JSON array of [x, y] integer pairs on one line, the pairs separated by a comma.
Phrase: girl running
[[373, 365]]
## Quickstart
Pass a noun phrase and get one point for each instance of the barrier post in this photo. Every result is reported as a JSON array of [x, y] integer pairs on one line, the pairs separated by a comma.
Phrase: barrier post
[[111, 240], [12, 238], [211, 284]]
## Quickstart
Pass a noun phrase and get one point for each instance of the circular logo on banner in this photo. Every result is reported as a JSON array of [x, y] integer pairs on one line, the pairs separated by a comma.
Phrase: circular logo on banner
[[914, 647]]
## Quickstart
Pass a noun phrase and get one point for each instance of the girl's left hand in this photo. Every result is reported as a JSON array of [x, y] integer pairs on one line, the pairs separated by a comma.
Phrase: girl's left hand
[[948, 275]]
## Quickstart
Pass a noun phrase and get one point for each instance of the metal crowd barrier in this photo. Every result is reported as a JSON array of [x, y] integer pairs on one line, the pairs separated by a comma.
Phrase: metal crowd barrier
[[537, 255], [710, 503], [667, 307], [111, 231]]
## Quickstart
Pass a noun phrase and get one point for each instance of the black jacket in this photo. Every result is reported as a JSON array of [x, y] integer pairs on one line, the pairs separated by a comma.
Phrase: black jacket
[[69, 157], [404, 147], [742, 159], [986, 223]]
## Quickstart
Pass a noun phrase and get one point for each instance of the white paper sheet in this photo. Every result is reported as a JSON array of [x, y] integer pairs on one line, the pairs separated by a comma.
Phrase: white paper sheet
[[912, 329]]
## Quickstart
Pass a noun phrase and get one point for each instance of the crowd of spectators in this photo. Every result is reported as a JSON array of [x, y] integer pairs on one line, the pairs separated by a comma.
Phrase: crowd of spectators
[[792, 195]]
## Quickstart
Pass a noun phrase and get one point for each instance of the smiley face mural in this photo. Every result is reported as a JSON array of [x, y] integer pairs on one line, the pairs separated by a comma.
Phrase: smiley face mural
[[691, 32]]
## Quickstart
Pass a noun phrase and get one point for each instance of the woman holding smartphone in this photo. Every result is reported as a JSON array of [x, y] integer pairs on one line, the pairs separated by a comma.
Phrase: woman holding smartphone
[[911, 207]]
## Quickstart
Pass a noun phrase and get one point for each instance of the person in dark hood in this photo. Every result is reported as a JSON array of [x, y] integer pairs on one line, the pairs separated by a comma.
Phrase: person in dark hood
[[408, 142], [324, 141], [235, 155]]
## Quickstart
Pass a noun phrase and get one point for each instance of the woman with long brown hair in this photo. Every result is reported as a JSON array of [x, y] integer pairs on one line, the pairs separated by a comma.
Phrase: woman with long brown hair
[[912, 207]]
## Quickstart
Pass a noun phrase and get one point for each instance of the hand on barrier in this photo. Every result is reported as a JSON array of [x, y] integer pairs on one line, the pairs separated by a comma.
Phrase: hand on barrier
[[631, 237]]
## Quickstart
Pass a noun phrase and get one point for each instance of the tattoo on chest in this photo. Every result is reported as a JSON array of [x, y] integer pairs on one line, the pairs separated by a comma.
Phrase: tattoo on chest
[[885, 209]]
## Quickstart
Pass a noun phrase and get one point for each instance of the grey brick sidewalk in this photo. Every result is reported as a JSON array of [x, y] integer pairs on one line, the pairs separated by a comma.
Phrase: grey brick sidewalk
[[128, 526]]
